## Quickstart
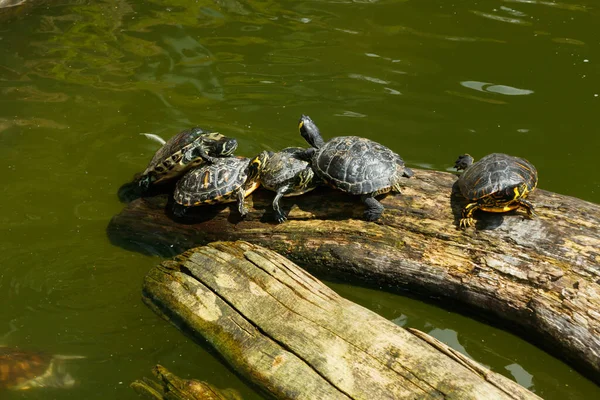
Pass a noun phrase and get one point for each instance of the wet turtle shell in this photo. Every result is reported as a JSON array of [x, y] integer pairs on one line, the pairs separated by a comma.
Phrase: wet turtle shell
[[496, 183], [20, 369], [183, 151], [226, 180]]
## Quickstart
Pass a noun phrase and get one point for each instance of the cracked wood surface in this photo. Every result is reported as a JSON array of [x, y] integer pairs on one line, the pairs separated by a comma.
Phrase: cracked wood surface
[[295, 338], [540, 277]]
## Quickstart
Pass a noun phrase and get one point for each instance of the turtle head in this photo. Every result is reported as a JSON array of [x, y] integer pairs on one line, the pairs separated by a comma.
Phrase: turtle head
[[310, 132], [218, 145], [463, 162], [257, 165]]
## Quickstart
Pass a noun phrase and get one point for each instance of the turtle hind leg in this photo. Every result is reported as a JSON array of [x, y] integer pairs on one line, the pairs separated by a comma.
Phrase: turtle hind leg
[[279, 215], [374, 208], [529, 207], [467, 215]]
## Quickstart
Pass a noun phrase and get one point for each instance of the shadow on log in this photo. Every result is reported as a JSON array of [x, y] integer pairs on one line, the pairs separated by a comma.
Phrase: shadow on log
[[541, 275], [172, 387], [295, 338]]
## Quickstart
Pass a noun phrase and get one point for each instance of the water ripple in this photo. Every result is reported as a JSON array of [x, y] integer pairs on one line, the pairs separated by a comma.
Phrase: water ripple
[[500, 18]]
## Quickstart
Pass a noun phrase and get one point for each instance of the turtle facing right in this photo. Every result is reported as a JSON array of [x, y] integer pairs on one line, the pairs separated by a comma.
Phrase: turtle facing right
[[227, 180], [187, 149], [496, 183], [22, 370]]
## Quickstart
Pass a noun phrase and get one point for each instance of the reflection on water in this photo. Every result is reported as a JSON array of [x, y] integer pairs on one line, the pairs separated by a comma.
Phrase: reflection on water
[[492, 88], [81, 80]]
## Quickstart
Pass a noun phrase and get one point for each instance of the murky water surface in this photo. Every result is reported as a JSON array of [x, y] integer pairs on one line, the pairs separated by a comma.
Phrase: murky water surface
[[80, 80]]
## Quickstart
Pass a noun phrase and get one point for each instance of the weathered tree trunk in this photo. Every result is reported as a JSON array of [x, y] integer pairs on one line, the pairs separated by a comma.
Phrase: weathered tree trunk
[[542, 275], [297, 339], [172, 387]]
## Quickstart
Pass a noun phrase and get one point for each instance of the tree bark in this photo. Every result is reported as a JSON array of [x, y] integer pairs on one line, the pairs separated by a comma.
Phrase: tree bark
[[542, 275], [295, 338]]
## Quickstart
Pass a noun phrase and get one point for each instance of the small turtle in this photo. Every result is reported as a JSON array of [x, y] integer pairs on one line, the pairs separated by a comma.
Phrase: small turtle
[[226, 180], [21, 370], [284, 173], [496, 183], [183, 151], [354, 165]]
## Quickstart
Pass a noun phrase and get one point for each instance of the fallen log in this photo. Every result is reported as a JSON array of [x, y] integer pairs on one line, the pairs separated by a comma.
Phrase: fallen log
[[295, 338], [540, 276], [169, 386]]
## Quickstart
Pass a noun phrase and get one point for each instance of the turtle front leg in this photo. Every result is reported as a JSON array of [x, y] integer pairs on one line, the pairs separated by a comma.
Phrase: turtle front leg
[[279, 215], [529, 207], [374, 208], [199, 151], [241, 195], [467, 215]]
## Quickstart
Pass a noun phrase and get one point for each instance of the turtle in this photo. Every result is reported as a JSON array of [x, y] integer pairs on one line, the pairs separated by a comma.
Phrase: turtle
[[287, 175], [496, 183], [226, 180], [22, 370], [355, 165], [188, 148]]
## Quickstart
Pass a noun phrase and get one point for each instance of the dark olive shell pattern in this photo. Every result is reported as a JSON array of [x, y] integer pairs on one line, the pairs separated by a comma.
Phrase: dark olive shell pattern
[[17, 366], [282, 167], [357, 165], [174, 145], [212, 183], [494, 173]]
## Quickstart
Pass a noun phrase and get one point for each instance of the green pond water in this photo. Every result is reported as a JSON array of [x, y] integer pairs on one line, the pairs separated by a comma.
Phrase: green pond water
[[81, 80]]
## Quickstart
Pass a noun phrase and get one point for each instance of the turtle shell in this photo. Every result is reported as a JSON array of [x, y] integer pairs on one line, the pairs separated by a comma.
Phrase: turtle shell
[[282, 168], [212, 183], [18, 367], [168, 161], [358, 165], [495, 173]]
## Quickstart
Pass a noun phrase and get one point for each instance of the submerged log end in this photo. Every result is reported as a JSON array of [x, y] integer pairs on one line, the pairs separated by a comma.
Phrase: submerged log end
[[169, 386]]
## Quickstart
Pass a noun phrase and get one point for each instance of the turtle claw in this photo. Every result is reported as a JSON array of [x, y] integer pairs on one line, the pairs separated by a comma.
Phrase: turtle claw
[[466, 222], [280, 218]]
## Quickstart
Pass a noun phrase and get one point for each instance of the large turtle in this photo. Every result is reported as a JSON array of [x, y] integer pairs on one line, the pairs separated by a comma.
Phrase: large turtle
[[183, 151], [354, 165], [284, 173], [496, 183], [226, 180], [21, 370]]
